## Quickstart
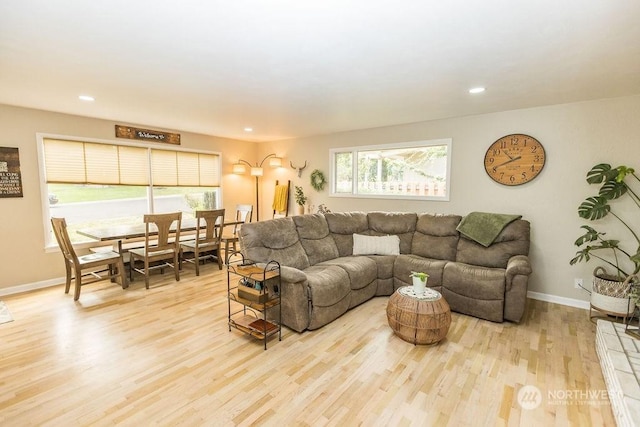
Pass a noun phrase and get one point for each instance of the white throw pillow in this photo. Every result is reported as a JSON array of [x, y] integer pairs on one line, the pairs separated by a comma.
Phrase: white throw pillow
[[376, 245]]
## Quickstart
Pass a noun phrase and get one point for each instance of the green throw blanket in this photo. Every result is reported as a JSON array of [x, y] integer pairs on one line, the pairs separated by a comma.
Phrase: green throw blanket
[[484, 227]]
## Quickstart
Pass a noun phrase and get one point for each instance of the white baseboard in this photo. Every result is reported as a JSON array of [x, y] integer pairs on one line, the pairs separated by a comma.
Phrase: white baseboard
[[571, 302], [32, 286]]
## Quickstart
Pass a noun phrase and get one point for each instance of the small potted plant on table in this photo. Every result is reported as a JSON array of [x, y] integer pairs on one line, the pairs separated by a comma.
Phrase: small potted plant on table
[[301, 199], [419, 282]]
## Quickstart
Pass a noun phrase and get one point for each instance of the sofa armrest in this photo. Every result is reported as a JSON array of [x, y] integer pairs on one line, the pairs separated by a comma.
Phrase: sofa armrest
[[292, 275], [288, 274], [517, 265]]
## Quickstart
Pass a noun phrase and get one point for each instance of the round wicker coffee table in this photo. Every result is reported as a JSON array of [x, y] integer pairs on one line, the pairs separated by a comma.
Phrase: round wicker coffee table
[[418, 319]]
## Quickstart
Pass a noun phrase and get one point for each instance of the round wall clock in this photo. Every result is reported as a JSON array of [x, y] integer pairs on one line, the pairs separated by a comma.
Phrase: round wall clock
[[514, 159]]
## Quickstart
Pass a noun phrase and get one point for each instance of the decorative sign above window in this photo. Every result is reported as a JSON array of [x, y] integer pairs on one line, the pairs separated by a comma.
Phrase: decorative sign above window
[[147, 135], [10, 178]]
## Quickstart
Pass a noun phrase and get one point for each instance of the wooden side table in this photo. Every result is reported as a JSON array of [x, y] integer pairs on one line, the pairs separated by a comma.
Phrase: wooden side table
[[418, 319]]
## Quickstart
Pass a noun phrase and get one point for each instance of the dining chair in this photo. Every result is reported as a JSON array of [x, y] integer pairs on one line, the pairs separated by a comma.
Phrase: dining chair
[[243, 215], [94, 265], [207, 246], [158, 248]]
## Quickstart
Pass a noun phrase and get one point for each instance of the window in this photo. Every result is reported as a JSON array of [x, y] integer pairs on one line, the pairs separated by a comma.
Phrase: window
[[412, 170], [94, 184]]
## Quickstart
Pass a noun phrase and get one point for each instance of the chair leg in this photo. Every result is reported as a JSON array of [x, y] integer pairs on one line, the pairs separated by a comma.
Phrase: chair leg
[[196, 261], [176, 269], [76, 293], [146, 273], [68, 283], [219, 258], [226, 252], [132, 266], [122, 274]]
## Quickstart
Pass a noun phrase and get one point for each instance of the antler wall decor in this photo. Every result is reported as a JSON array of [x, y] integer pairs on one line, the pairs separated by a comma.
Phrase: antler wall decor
[[300, 169]]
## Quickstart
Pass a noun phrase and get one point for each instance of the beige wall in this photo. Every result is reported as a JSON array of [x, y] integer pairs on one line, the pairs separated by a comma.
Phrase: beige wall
[[575, 137], [23, 259]]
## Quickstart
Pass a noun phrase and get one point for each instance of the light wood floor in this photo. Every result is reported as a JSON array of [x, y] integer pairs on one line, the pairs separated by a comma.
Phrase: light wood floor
[[165, 356]]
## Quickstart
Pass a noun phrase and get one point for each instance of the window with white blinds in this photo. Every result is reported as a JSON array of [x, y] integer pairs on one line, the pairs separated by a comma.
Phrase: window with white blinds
[[94, 184], [77, 162]]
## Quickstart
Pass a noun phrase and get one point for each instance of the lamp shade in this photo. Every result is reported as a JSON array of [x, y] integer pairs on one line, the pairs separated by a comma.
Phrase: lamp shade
[[275, 162], [239, 168], [256, 171]]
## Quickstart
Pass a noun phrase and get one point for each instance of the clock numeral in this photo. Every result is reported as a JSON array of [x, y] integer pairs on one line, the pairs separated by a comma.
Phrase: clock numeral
[[503, 144], [512, 178], [514, 141], [533, 168], [534, 149], [491, 160], [524, 176], [536, 158], [496, 152]]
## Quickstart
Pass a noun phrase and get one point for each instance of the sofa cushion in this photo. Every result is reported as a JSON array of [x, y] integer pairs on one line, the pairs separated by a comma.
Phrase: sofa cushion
[[513, 240], [273, 240], [328, 284], [402, 224], [376, 245], [315, 238], [384, 265], [474, 290], [362, 270], [329, 294], [343, 225], [436, 236]]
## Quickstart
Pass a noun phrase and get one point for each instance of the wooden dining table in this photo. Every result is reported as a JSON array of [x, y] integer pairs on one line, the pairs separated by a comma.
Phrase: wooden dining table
[[120, 233]]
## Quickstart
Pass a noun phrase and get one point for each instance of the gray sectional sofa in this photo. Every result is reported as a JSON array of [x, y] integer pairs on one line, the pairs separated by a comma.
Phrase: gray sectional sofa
[[322, 279]]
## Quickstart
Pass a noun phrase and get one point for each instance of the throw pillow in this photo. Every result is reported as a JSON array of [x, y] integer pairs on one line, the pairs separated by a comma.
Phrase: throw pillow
[[376, 245]]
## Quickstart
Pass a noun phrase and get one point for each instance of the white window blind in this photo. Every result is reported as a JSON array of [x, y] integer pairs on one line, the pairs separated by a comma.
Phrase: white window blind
[[77, 162], [184, 169]]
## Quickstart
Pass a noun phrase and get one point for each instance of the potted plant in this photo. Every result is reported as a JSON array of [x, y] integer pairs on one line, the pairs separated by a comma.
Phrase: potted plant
[[419, 282], [301, 199], [610, 292]]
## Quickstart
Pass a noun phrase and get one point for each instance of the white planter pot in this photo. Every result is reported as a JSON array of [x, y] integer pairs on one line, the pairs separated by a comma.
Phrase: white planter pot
[[419, 286], [611, 295]]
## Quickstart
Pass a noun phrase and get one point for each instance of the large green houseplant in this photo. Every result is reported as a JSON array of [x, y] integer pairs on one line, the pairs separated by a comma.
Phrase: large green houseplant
[[614, 184]]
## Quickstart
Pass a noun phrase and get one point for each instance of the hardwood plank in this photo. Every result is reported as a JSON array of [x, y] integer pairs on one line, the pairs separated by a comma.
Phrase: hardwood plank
[[165, 356]]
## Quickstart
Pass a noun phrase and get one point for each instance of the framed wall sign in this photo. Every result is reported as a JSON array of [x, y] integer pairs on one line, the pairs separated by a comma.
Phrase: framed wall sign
[[10, 177], [130, 132]]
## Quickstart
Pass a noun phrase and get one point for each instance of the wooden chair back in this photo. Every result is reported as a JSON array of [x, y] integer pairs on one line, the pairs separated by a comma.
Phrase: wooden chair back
[[244, 213], [163, 223], [59, 226], [213, 225]]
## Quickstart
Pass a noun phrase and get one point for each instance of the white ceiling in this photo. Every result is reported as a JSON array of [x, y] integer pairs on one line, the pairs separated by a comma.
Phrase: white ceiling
[[291, 68]]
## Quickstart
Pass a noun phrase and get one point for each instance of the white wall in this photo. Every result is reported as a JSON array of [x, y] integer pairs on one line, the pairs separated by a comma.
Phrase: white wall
[[575, 137]]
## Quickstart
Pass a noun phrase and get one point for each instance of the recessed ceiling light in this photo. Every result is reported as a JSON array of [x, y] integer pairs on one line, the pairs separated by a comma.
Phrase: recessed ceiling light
[[86, 98], [477, 90], [247, 129]]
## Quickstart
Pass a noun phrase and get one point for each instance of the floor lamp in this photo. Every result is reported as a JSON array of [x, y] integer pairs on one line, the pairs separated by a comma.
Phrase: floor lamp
[[257, 171]]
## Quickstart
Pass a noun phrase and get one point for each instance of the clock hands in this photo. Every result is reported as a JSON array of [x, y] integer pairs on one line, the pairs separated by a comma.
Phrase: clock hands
[[511, 159]]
